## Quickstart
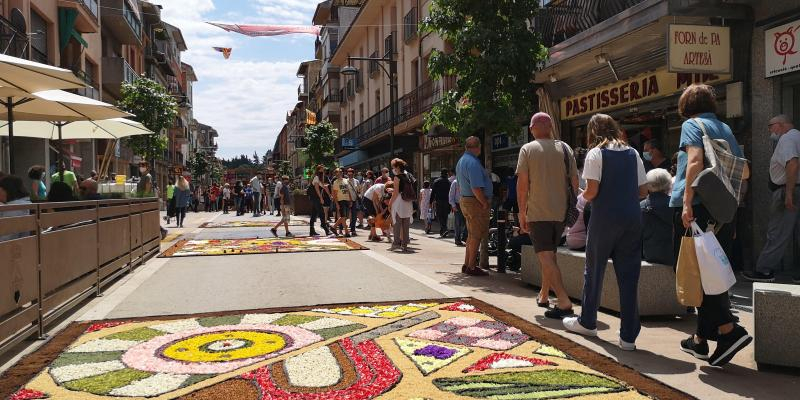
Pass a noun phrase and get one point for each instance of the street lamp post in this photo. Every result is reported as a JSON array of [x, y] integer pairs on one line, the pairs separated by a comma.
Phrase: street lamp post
[[350, 70]]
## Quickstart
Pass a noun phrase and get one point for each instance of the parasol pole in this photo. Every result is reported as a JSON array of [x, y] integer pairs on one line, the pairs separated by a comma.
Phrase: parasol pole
[[10, 106]]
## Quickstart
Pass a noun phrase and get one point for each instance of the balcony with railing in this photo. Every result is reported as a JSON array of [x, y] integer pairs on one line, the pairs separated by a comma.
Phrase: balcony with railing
[[13, 42], [88, 12], [563, 19], [123, 21], [410, 25], [390, 45], [117, 71], [89, 91], [415, 103]]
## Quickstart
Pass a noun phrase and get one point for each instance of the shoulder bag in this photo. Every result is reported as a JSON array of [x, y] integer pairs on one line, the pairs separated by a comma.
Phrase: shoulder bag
[[571, 216]]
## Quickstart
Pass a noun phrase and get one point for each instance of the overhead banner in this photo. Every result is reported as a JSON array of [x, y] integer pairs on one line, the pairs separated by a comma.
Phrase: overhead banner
[[267, 30], [782, 50], [639, 89], [699, 49]]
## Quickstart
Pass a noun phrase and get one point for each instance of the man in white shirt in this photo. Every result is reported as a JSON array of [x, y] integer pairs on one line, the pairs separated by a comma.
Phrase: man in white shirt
[[255, 184], [276, 199], [783, 172]]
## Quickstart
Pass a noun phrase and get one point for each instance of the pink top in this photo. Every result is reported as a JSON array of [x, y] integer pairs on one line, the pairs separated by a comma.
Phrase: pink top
[[576, 236]]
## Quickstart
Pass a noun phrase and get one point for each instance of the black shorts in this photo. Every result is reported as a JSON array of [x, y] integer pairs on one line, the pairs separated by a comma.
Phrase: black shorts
[[369, 208], [344, 209], [546, 235]]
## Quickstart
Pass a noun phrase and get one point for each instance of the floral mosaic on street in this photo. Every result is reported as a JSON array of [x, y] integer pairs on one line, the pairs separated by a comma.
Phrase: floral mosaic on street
[[219, 247], [424, 350]]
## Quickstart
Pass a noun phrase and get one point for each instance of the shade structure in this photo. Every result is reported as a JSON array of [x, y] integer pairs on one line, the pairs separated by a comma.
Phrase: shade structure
[[115, 128], [58, 105], [18, 77]]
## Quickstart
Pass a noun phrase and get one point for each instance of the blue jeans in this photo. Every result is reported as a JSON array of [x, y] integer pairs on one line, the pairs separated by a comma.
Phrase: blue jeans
[[256, 204], [354, 215], [460, 226]]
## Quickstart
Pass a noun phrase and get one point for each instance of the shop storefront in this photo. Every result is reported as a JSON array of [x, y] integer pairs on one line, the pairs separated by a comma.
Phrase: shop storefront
[[505, 152], [437, 153]]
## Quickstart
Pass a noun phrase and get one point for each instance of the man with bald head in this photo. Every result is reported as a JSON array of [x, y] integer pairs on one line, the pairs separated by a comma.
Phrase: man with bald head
[[783, 173], [543, 167], [476, 197]]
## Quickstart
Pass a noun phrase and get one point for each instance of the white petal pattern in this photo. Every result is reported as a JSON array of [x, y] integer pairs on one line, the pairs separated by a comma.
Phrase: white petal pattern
[[256, 319], [315, 368], [177, 326], [77, 371], [324, 323], [103, 345], [152, 386]]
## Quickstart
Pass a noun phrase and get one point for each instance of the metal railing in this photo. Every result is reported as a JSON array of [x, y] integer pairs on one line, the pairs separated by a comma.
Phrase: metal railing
[[130, 17], [561, 20], [89, 91], [128, 73], [410, 25], [92, 6], [58, 254], [38, 56], [373, 67], [334, 96], [12, 41]]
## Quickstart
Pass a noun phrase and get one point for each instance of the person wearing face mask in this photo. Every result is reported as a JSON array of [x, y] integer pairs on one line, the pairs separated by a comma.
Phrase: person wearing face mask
[[38, 188], [145, 186], [784, 173], [653, 156]]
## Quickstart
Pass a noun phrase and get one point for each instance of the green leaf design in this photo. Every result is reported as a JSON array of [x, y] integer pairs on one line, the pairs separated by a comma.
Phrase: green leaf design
[[295, 319], [220, 321], [84, 358], [547, 384], [328, 333], [105, 383], [138, 335]]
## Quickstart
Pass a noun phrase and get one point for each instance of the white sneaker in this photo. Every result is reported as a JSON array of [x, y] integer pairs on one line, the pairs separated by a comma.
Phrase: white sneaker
[[626, 346], [572, 324]]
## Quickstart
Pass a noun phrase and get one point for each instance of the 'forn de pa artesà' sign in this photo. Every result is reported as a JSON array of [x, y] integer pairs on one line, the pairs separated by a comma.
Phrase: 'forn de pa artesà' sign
[[699, 49], [639, 89], [782, 48]]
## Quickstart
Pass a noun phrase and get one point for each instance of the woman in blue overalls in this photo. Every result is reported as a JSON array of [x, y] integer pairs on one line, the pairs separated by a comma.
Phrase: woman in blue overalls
[[616, 181]]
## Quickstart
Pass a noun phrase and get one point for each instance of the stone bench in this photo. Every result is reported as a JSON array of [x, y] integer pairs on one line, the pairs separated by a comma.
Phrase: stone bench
[[775, 311], [656, 282]]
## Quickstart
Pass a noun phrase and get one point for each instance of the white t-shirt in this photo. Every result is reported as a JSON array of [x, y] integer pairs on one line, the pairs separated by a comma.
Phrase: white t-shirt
[[255, 183], [278, 186], [593, 166], [788, 148], [376, 188]]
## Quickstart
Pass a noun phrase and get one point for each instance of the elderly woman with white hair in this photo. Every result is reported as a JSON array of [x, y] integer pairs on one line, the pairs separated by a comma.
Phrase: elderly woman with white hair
[[657, 218]]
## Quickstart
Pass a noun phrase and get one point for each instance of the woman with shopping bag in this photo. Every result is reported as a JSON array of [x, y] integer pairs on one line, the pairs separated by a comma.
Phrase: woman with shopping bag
[[715, 321]]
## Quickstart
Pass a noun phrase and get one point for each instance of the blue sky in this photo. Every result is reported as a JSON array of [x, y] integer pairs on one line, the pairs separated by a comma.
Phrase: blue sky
[[246, 97]]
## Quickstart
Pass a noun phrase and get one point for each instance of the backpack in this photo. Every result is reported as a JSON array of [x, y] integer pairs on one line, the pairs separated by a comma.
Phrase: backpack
[[407, 191]]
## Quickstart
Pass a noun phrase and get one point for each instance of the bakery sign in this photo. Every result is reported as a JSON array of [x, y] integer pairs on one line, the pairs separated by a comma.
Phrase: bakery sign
[[639, 89], [699, 49], [782, 48]]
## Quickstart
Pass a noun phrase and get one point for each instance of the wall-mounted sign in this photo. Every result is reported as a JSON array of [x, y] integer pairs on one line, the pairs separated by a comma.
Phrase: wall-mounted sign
[[437, 142], [699, 49], [639, 89], [349, 143], [502, 141], [782, 48]]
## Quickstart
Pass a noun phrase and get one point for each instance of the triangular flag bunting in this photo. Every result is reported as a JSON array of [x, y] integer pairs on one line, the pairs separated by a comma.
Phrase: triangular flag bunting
[[430, 357], [226, 51], [504, 360]]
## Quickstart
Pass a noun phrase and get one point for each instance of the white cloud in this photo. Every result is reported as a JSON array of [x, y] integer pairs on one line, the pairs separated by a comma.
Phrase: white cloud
[[245, 100]]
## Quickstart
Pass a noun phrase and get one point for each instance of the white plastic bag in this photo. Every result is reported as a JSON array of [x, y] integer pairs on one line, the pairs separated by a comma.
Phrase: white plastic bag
[[716, 272]]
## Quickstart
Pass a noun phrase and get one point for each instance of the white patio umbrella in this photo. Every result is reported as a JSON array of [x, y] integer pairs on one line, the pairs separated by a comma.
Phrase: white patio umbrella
[[58, 106], [115, 128], [19, 78]]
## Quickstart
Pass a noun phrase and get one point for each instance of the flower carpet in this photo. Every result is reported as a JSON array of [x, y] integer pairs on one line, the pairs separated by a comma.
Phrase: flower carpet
[[432, 349], [261, 223], [224, 247]]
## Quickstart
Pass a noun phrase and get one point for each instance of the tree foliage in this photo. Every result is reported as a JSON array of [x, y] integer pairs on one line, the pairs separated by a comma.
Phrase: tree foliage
[[155, 108], [320, 140], [494, 55], [285, 169], [198, 164], [237, 162]]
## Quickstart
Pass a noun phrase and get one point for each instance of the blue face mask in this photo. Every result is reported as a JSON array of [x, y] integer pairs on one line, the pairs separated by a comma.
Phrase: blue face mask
[[647, 156]]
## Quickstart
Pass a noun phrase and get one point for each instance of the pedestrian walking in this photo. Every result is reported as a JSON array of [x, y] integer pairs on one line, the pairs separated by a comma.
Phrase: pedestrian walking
[[270, 195], [226, 197], [542, 176], [170, 201], [401, 205], [238, 194], [315, 194], [182, 200], [255, 184], [783, 220], [440, 193], [715, 321], [286, 209], [476, 196], [38, 188], [615, 184], [459, 223], [425, 209], [343, 201], [352, 188], [276, 197]]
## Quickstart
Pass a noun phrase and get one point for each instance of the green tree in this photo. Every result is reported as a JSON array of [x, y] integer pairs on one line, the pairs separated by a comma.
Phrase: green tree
[[215, 171], [494, 55], [156, 109], [285, 168], [198, 164], [320, 139]]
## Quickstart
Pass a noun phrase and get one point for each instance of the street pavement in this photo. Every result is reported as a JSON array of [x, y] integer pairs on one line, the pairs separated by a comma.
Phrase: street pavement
[[166, 286]]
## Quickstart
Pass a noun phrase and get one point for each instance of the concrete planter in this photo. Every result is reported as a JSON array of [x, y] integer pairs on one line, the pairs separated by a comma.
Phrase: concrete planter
[[302, 204]]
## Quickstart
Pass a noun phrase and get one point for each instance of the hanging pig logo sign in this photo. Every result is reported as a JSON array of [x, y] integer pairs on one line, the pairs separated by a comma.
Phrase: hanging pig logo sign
[[784, 43]]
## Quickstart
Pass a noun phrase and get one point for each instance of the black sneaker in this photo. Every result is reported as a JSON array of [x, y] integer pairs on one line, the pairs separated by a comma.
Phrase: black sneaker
[[274, 232], [697, 350], [557, 313], [728, 345], [796, 279], [755, 276]]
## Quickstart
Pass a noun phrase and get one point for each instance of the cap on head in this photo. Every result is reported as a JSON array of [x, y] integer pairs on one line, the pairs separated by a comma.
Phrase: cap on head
[[541, 117]]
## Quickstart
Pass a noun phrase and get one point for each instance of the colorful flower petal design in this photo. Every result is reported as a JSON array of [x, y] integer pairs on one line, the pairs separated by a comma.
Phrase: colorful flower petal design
[[461, 306], [462, 331], [366, 372], [393, 311], [28, 394], [103, 325], [504, 360], [258, 246], [545, 384], [551, 351], [430, 357]]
